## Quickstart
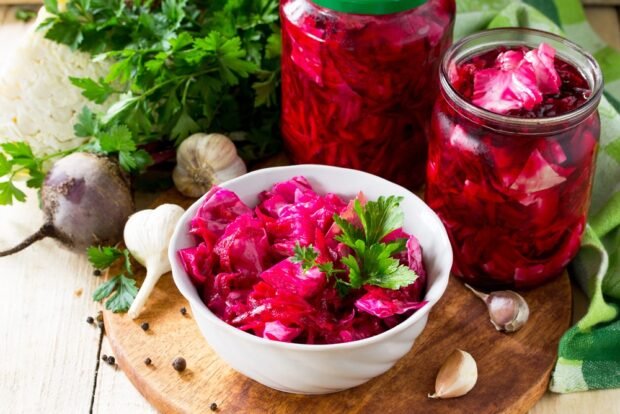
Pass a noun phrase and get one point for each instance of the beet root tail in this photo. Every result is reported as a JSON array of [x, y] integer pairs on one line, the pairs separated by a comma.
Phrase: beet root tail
[[46, 230]]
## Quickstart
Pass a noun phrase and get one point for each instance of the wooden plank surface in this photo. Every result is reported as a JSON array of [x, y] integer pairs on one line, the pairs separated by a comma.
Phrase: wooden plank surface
[[48, 354], [47, 350], [460, 319]]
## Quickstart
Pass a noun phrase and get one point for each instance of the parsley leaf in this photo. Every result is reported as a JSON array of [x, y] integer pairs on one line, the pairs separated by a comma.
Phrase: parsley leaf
[[105, 289], [380, 218], [176, 67], [124, 295], [123, 291], [103, 257], [373, 262], [305, 255], [8, 192], [117, 139], [17, 162], [5, 165], [98, 92], [88, 124]]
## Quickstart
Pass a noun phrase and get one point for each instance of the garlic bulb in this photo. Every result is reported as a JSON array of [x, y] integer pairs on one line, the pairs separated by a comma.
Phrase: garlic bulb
[[507, 309], [457, 376], [204, 160], [147, 235]]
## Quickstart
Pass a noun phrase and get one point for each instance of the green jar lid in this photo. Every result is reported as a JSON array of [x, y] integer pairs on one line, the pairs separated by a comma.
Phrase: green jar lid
[[370, 6]]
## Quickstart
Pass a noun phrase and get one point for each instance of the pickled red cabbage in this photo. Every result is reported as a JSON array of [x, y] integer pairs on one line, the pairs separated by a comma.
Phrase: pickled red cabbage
[[514, 204], [521, 82], [355, 88], [242, 266]]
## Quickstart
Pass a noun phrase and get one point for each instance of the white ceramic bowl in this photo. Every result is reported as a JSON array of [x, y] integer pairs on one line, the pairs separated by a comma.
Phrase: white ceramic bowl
[[319, 369]]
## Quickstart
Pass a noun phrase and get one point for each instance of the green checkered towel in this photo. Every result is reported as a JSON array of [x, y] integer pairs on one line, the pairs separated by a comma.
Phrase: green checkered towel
[[589, 353]]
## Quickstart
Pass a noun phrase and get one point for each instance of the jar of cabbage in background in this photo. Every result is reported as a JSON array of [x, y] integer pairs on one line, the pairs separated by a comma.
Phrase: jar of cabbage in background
[[514, 191], [359, 79]]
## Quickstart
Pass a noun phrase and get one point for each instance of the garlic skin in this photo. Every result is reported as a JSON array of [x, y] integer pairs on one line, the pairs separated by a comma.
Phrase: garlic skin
[[147, 235], [507, 309], [204, 160], [457, 376]]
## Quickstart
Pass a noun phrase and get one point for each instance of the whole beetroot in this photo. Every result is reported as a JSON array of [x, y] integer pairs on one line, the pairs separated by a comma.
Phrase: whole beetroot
[[86, 201]]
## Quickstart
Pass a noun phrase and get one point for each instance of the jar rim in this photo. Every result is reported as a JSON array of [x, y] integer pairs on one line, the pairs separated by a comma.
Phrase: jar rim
[[371, 7], [572, 117]]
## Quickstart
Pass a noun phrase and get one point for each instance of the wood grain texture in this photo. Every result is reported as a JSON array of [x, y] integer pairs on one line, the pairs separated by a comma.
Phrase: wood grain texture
[[47, 350], [513, 369], [115, 393], [605, 22], [48, 354]]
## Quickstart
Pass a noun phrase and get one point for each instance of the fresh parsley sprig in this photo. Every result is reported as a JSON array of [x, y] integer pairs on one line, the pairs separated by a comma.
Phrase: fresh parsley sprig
[[372, 263], [120, 290], [18, 163], [178, 67], [307, 256]]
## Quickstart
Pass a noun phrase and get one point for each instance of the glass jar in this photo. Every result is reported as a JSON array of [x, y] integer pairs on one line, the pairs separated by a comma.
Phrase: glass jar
[[358, 82], [512, 192]]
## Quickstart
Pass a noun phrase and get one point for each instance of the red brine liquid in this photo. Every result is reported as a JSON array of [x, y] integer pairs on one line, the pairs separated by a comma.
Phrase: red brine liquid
[[514, 198], [357, 89]]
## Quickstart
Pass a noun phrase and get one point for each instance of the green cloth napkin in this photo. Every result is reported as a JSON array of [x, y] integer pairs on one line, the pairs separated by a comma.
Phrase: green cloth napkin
[[589, 352]]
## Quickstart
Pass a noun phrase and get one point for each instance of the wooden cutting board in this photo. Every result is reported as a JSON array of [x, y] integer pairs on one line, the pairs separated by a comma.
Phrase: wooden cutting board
[[513, 369]]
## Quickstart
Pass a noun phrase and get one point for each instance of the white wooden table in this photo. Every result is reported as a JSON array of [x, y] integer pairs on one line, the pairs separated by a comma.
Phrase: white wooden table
[[49, 355]]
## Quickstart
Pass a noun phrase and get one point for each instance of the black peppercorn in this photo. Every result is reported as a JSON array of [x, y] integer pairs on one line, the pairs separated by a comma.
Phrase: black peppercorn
[[183, 311], [213, 407], [147, 361], [145, 326], [104, 357], [90, 320], [179, 364], [111, 360], [97, 272]]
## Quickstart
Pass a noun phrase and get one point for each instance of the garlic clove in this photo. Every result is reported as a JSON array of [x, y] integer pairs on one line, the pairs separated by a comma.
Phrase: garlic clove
[[457, 376], [204, 160], [147, 235], [507, 309]]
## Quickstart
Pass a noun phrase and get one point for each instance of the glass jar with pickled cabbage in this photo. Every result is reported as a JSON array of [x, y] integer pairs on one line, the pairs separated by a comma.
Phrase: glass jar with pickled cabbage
[[359, 78], [512, 153]]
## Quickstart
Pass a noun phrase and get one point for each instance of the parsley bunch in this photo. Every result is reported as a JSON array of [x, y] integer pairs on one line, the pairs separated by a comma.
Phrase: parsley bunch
[[179, 66], [372, 262], [120, 290]]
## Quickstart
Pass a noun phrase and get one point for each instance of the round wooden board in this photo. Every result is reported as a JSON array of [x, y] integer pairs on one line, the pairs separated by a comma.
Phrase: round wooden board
[[513, 370]]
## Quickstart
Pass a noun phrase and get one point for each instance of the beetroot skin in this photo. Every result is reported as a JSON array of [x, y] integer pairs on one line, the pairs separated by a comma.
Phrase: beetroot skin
[[86, 201], [242, 267]]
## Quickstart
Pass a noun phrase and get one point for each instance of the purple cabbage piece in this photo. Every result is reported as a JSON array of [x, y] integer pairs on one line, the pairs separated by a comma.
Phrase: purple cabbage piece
[[244, 246], [219, 208], [198, 262], [290, 230], [277, 331], [384, 303], [290, 277]]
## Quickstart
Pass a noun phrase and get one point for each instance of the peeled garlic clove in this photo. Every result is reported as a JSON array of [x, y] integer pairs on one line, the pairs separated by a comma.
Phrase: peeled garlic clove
[[204, 160], [508, 310], [457, 376]]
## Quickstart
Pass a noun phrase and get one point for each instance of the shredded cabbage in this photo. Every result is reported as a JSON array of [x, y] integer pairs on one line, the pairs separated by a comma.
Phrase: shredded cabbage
[[242, 265]]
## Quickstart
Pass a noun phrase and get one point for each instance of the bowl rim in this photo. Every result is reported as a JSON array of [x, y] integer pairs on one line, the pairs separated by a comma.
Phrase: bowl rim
[[198, 305]]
